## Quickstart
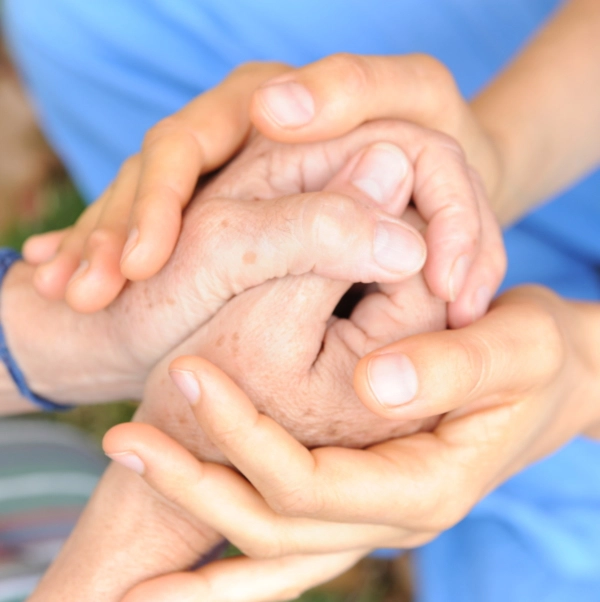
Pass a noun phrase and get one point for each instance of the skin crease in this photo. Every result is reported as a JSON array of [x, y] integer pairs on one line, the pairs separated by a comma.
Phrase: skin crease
[[306, 385], [305, 389]]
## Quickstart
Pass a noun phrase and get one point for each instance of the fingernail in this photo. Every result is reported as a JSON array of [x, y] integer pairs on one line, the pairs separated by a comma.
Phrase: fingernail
[[187, 383], [130, 244], [380, 171], [397, 249], [481, 302], [83, 266], [393, 379], [289, 104], [128, 460], [458, 276]]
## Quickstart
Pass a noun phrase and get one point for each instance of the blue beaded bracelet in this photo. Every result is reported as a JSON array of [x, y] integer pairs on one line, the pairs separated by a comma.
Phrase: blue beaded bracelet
[[7, 258]]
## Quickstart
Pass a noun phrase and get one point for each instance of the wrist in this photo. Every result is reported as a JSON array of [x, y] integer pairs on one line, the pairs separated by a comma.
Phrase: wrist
[[126, 535], [64, 356], [501, 180]]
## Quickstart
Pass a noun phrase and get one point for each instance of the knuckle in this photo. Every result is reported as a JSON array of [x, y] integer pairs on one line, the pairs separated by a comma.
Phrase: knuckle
[[351, 69], [431, 70], [449, 146], [129, 166], [163, 128], [440, 95], [298, 502], [550, 338], [473, 356], [442, 511], [252, 67], [101, 237], [173, 130], [328, 219]]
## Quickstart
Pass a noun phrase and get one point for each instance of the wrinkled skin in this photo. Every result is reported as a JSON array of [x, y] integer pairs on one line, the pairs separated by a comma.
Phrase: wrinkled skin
[[279, 340], [170, 306]]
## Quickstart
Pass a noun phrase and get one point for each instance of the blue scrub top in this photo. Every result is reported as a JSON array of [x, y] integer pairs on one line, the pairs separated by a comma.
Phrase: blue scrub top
[[102, 73]]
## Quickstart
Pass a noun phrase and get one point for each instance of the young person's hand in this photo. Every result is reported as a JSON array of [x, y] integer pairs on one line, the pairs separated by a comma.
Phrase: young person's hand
[[515, 386]]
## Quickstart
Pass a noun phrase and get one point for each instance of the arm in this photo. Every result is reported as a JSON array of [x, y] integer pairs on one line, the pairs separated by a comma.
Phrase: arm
[[542, 111], [126, 534]]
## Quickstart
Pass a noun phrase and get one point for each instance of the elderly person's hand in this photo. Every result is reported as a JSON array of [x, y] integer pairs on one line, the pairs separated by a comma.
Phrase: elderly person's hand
[[515, 386], [228, 245]]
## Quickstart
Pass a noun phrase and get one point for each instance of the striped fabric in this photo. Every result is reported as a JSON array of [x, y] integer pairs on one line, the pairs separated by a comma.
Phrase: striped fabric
[[47, 473]]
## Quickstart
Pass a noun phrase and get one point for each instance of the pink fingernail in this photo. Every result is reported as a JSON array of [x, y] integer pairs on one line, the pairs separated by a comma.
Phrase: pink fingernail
[[481, 302], [130, 244], [397, 249], [458, 276], [83, 266], [129, 460], [393, 379], [380, 172], [187, 383], [289, 104]]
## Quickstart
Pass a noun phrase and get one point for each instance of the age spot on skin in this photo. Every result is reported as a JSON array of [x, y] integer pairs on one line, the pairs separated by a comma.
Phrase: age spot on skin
[[249, 258], [220, 341], [224, 223]]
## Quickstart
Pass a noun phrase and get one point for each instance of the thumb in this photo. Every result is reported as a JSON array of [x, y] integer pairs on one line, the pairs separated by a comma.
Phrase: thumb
[[333, 96], [512, 348]]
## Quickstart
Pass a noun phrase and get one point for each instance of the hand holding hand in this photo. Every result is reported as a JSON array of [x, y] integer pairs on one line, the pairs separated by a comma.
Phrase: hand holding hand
[[462, 238], [527, 383]]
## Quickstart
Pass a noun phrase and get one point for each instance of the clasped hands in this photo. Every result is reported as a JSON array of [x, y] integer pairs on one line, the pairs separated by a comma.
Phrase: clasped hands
[[278, 342]]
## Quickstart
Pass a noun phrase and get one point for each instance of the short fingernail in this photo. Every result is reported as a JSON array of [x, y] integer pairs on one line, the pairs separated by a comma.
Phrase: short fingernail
[[397, 249], [187, 383], [380, 172], [289, 104], [458, 276], [393, 379], [481, 302], [128, 460], [130, 244], [80, 271]]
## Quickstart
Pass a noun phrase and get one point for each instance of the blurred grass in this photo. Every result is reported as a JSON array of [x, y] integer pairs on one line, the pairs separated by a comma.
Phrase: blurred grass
[[371, 581]]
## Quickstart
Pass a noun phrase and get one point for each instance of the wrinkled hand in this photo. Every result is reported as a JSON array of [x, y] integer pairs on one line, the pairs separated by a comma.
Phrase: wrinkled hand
[[226, 245], [516, 385]]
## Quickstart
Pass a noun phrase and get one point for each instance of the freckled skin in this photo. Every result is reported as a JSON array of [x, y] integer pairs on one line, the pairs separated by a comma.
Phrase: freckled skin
[[278, 340]]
